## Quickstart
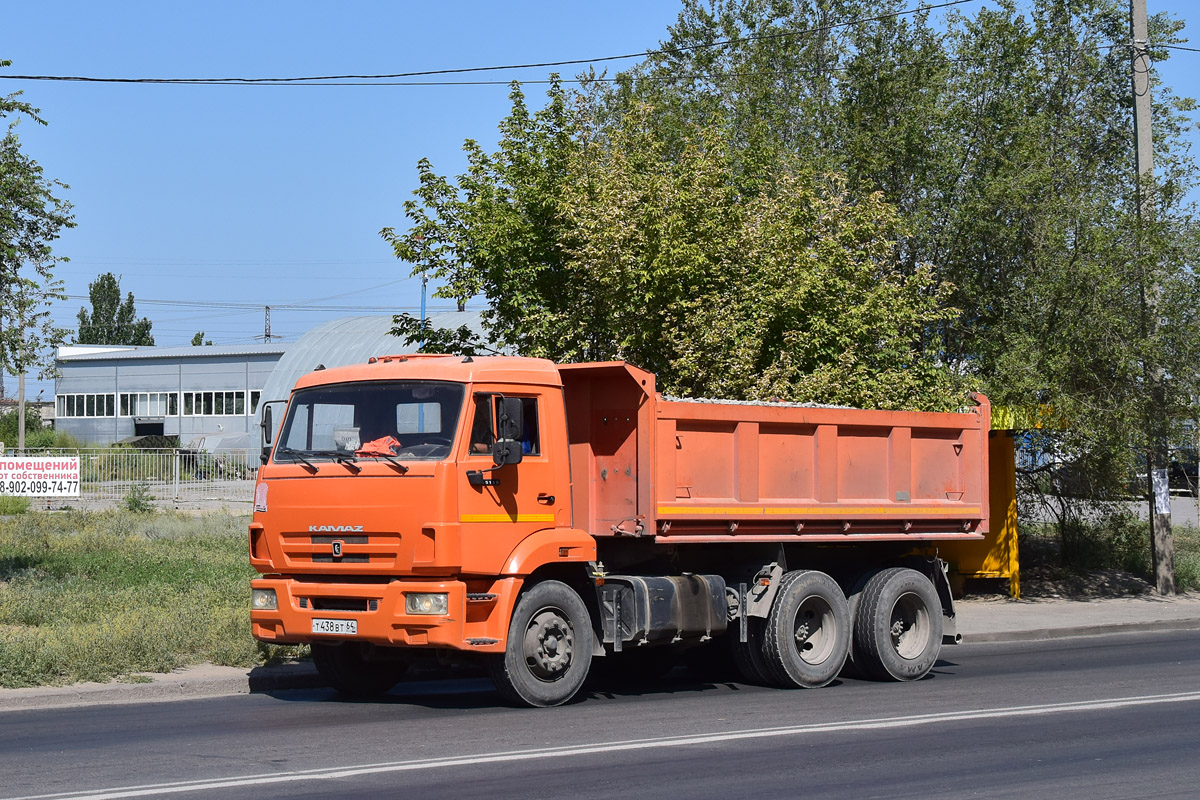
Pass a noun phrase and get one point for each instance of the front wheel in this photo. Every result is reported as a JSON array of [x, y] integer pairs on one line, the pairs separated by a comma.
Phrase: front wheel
[[549, 648]]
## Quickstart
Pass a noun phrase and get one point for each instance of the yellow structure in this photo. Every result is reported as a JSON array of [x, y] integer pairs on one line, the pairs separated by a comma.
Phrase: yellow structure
[[996, 555]]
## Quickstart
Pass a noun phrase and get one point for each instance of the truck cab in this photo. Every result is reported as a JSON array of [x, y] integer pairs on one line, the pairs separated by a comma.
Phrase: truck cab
[[395, 510]]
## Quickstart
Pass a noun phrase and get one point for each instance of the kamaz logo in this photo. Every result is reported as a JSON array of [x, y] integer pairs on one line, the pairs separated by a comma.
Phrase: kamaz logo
[[334, 528]]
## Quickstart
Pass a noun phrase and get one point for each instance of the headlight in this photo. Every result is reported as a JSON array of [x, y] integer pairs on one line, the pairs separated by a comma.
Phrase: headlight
[[422, 603], [263, 600]]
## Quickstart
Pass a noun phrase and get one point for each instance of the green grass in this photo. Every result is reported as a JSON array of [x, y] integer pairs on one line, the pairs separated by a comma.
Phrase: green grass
[[101, 595], [1187, 559]]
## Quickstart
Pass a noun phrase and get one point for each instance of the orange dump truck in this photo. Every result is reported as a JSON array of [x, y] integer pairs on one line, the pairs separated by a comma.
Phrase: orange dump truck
[[538, 517]]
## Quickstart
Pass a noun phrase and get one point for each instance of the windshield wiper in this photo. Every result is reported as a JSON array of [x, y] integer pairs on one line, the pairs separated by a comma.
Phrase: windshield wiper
[[288, 451], [392, 459], [340, 457]]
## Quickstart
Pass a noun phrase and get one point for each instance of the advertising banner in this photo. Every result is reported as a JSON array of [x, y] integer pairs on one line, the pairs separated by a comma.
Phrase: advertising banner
[[40, 477]]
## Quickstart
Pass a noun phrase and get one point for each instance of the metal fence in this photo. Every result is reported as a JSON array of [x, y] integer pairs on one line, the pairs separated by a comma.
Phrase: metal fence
[[176, 478]]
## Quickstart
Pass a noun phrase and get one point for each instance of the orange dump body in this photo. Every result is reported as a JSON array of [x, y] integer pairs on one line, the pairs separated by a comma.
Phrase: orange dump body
[[709, 471]]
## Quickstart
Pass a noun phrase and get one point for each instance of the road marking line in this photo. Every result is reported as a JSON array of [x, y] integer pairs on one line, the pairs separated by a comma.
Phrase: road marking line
[[334, 773]]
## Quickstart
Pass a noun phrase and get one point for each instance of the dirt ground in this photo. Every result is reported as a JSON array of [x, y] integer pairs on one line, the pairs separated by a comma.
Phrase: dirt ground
[[1044, 580]]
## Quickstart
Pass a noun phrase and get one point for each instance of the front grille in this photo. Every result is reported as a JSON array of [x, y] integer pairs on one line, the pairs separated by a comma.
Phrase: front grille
[[381, 549], [340, 604]]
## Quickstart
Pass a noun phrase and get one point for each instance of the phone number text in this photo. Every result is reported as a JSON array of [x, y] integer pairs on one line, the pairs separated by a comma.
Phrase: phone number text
[[40, 487]]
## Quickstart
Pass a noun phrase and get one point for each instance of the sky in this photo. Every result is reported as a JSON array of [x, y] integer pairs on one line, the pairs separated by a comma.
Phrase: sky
[[199, 196]]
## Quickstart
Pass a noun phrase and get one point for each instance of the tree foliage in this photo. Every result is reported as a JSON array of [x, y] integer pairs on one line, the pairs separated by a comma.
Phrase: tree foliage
[[31, 219], [112, 320], [590, 243]]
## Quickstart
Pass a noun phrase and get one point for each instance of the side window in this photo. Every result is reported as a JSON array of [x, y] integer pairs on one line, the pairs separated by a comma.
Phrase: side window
[[483, 431], [481, 425], [530, 442]]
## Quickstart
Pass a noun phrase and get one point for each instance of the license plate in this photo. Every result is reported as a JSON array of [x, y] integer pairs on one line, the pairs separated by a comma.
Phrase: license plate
[[343, 627]]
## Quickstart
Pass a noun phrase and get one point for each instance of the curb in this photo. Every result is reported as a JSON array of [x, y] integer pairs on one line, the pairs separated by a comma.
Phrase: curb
[[185, 685], [1043, 634], [299, 675]]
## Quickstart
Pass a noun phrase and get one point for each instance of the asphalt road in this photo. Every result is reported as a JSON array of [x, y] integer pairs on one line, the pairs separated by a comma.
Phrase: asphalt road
[[1102, 717]]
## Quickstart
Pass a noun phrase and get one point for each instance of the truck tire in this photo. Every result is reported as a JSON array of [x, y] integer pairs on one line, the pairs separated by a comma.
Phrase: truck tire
[[748, 655], [807, 635], [549, 648], [344, 667], [897, 626]]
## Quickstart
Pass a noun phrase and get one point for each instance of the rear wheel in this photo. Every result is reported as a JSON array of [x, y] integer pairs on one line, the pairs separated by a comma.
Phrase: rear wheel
[[897, 626], [549, 648], [347, 669], [807, 635]]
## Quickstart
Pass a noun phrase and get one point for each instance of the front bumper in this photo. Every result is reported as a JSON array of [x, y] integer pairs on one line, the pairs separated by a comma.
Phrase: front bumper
[[476, 619]]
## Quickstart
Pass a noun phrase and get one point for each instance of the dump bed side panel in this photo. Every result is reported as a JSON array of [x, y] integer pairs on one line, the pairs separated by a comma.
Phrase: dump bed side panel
[[776, 472]]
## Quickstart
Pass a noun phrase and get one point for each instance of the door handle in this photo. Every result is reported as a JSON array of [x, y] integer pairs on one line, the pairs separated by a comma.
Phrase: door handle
[[548, 499]]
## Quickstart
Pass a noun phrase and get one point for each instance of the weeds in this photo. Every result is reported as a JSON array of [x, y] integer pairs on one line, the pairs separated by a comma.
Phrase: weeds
[[99, 595], [10, 504], [138, 499], [1118, 542]]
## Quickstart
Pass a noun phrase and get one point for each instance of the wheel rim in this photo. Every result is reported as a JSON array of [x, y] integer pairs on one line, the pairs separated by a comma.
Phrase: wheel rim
[[815, 630], [549, 644], [909, 626]]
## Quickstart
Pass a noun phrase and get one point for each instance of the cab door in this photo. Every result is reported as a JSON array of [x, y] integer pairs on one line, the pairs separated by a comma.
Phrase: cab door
[[500, 507]]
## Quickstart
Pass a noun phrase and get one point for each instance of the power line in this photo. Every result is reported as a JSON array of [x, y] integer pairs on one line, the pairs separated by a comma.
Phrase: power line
[[379, 79], [259, 306]]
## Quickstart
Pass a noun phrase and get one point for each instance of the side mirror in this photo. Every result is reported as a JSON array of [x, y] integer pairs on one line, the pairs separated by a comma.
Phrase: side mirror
[[268, 429], [510, 425]]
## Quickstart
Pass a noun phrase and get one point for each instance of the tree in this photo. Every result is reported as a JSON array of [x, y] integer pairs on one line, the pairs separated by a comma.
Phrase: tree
[[199, 340], [112, 321], [594, 242], [31, 218]]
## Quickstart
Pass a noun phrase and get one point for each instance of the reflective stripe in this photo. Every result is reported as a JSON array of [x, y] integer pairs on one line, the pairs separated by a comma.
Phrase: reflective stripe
[[506, 518], [899, 509]]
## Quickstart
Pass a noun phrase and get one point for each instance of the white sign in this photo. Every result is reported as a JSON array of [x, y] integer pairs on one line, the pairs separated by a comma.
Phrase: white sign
[[1162, 492], [40, 477]]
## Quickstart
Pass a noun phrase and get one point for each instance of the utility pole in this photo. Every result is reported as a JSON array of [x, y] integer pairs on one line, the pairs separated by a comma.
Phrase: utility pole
[[424, 283], [1162, 543], [19, 365], [267, 337], [21, 412]]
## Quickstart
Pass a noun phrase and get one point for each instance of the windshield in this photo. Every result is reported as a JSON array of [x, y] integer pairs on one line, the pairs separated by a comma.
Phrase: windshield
[[411, 420]]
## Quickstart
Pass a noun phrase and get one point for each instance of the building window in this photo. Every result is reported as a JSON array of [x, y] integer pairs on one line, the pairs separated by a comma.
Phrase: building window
[[149, 404], [216, 404], [86, 405]]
